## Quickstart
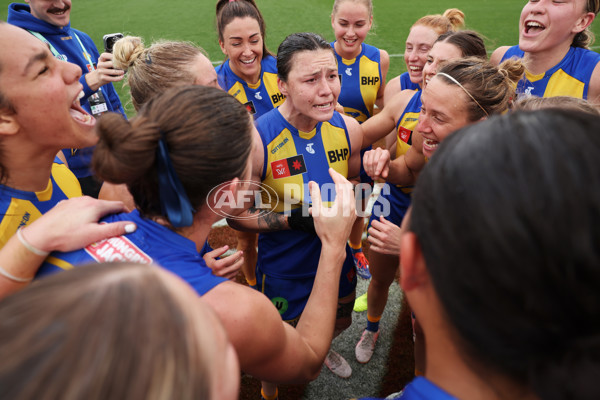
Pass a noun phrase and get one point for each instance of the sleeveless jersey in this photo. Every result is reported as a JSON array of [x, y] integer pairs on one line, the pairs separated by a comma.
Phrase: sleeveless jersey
[[406, 125], [150, 243], [570, 77], [19, 208], [406, 83], [361, 79], [291, 159], [394, 200], [259, 98]]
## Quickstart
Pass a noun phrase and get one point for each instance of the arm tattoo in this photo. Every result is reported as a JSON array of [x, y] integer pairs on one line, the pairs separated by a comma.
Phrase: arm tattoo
[[270, 221]]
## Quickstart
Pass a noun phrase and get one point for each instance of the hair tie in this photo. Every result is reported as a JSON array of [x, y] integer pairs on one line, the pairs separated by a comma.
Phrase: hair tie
[[174, 202], [465, 90], [148, 58]]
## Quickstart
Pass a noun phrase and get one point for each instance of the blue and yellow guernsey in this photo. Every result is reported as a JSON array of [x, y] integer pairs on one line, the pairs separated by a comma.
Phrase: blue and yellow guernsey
[[259, 98], [19, 208], [361, 79], [570, 77], [150, 243], [291, 159], [394, 200], [407, 123], [406, 83]]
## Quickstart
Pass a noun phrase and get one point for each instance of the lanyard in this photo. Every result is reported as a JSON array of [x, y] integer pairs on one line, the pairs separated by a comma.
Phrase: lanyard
[[56, 54], [85, 53]]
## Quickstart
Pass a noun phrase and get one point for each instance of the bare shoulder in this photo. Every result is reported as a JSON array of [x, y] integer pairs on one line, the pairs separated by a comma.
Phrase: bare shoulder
[[391, 88], [498, 54], [594, 89]]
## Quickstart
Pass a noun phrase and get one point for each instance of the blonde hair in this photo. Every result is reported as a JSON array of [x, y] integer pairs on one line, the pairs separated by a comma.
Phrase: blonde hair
[[152, 70], [366, 3], [104, 331], [451, 20]]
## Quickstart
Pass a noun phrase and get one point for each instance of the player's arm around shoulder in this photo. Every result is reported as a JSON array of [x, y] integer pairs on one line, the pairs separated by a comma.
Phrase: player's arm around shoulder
[[380, 125], [498, 54]]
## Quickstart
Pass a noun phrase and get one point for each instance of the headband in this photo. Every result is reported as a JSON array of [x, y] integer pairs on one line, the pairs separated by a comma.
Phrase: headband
[[465, 90]]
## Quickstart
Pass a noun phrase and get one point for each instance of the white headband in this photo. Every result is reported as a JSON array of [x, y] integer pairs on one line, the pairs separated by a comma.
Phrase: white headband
[[465, 90]]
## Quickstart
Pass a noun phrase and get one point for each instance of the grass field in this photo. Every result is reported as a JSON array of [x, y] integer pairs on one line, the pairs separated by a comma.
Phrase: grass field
[[194, 20]]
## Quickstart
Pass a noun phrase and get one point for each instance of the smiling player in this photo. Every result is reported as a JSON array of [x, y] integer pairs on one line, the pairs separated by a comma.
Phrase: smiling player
[[553, 41]]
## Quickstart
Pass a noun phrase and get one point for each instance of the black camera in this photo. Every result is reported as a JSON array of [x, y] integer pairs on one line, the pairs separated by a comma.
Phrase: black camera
[[109, 41]]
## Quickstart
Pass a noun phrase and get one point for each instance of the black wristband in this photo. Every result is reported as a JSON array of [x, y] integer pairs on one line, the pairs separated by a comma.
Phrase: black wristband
[[299, 222]]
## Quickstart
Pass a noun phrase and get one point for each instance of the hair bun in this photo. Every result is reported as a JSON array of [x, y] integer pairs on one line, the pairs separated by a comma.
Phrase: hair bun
[[127, 51]]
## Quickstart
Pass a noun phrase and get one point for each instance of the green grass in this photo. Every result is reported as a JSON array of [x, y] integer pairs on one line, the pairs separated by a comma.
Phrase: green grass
[[194, 20]]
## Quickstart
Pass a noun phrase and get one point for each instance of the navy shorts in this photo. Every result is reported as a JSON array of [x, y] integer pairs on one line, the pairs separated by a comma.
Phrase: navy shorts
[[289, 295]]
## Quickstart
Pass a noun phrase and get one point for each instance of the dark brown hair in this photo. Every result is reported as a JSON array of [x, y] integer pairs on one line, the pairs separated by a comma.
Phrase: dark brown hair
[[207, 133], [470, 43], [296, 43], [104, 331], [228, 10]]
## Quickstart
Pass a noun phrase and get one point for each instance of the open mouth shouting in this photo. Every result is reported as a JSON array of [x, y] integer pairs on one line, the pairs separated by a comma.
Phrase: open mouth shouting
[[79, 114], [533, 28]]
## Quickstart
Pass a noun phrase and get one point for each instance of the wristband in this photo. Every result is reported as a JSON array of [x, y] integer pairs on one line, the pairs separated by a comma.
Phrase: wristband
[[13, 278], [30, 247], [299, 222]]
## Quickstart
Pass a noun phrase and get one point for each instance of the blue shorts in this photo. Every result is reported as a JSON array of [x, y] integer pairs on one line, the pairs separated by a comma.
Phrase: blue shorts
[[392, 203], [290, 295]]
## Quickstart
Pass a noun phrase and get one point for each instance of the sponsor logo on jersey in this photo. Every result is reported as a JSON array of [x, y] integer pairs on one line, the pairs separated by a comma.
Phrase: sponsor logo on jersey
[[280, 304], [349, 71], [117, 249], [25, 219], [337, 155], [280, 145], [257, 96], [309, 148], [250, 107], [277, 97], [404, 134], [288, 167], [369, 80], [528, 90]]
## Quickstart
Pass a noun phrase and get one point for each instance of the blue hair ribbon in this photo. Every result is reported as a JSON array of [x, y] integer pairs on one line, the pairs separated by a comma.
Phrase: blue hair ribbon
[[174, 202]]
